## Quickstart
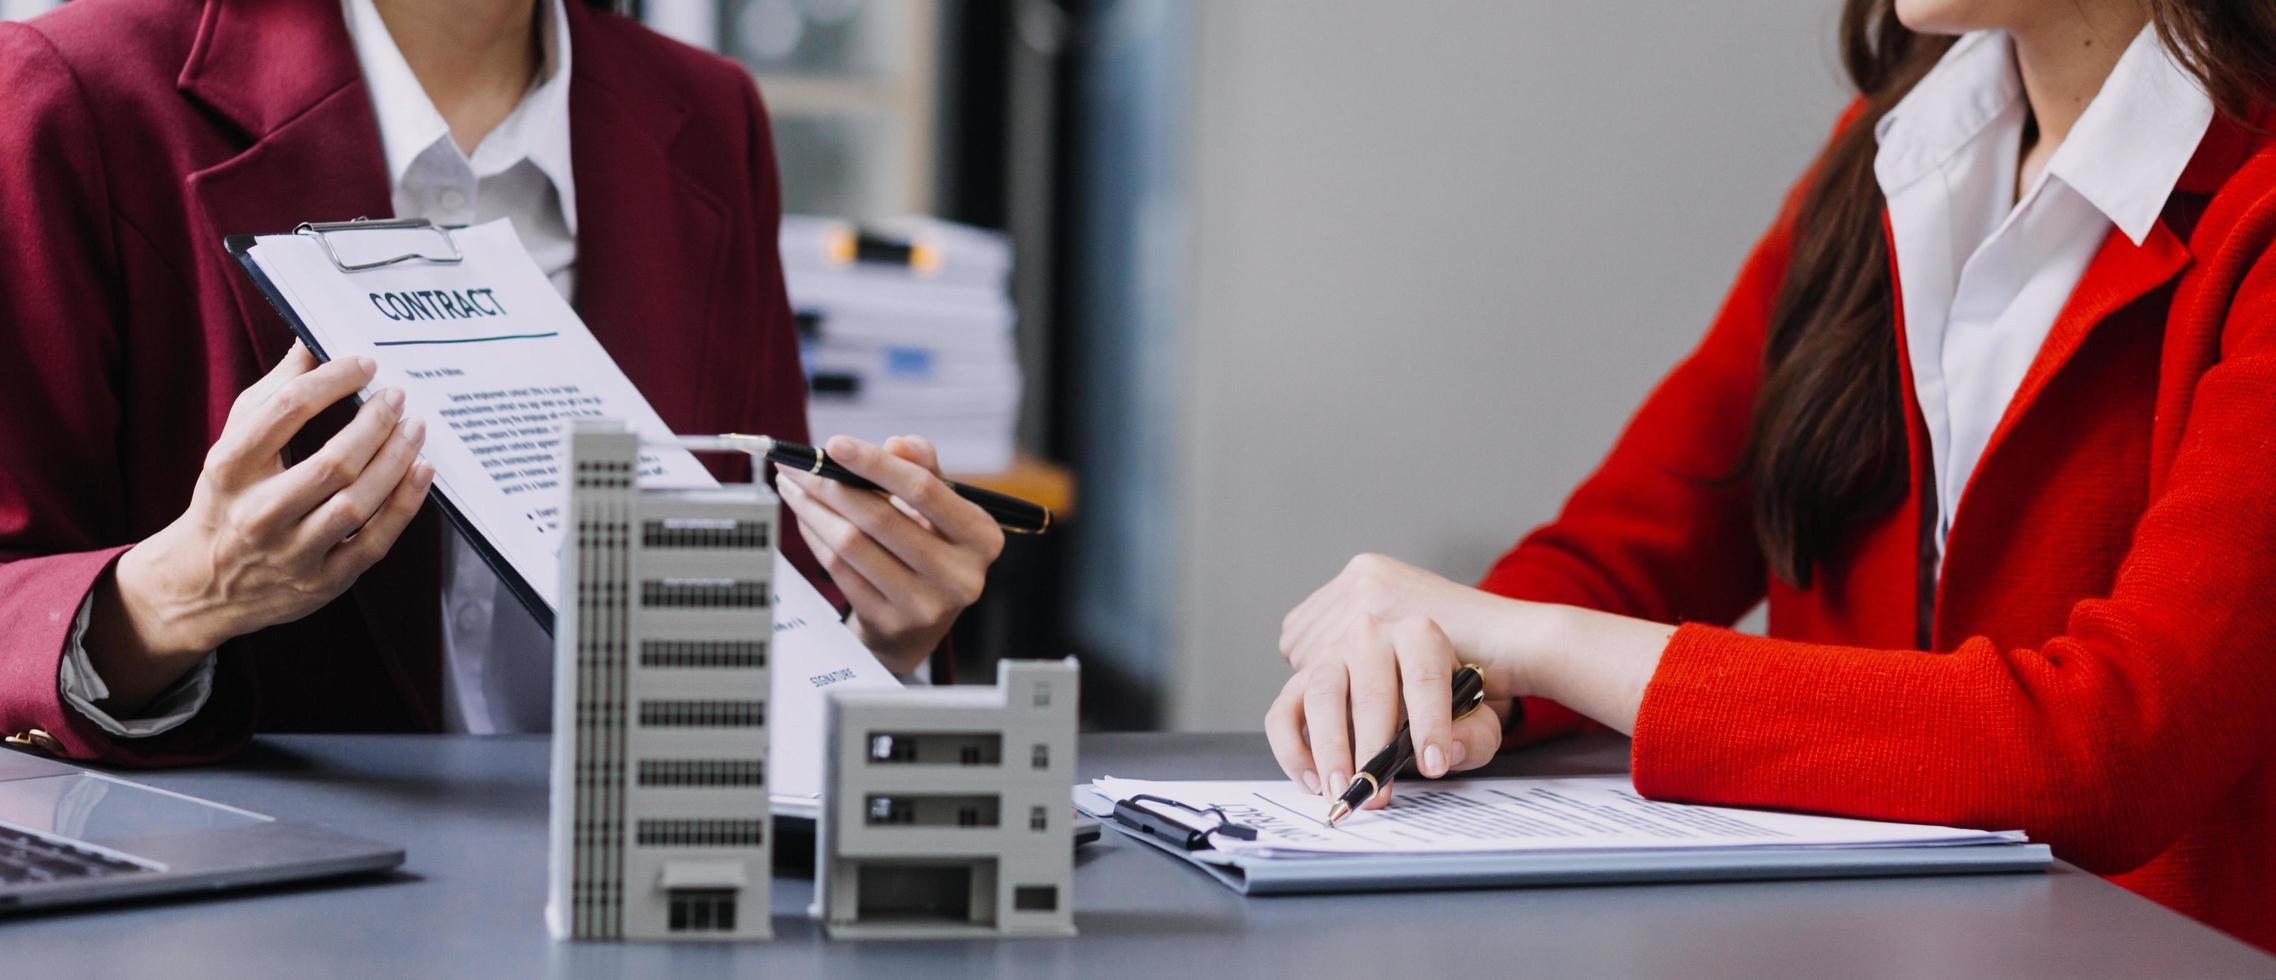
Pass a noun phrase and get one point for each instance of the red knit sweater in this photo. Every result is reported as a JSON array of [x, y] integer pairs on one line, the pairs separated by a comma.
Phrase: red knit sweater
[[2101, 669]]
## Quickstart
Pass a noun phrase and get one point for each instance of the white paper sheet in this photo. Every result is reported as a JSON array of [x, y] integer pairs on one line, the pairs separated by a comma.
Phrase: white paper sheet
[[1505, 815], [495, 360], [814, 652]]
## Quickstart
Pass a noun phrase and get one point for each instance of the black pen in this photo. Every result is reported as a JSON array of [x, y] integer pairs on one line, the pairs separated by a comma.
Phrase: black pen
[[1469, 692], [1011, 513]]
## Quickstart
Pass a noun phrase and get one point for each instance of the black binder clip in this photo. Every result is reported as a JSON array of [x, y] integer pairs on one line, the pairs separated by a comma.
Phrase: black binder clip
[[320, 229], [853, 244], [1176, 829]]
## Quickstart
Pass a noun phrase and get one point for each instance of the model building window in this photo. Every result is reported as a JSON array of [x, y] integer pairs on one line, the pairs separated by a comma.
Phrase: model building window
[[1041, 757], [700, 833], [699, 532], [937, 748], [1043, 695], [885, 810], [887, 748], [702, 910], [703, 714], [703, 594], [1035, 898], [1038, 819], [703, 653], [702, 772]]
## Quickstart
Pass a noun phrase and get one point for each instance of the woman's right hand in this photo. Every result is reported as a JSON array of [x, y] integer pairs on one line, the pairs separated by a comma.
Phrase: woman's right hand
[[262, 543]]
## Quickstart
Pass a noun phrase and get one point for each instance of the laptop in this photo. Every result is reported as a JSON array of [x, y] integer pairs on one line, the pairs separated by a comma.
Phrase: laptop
[[69, 836]]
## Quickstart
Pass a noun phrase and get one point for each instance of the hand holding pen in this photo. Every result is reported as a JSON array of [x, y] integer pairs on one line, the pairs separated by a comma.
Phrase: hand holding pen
[[1374, 777], [1381, 637], [908, 549]]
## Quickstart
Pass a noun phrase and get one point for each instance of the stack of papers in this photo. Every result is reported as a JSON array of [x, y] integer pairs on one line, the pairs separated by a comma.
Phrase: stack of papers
[[1467, 833], [915, 342]]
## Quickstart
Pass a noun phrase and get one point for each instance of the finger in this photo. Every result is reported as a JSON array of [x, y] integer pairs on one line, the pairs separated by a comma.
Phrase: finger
[[349, 558], [852, 551], [1374, 689], [333, 468], [924, 552], [1477, 736], [1426, 680], [1284, 728], [958, 519], [276, 419], [1326, 689], [342, 514], [862, 595], [916, 449], [296, 362], [221, 458]]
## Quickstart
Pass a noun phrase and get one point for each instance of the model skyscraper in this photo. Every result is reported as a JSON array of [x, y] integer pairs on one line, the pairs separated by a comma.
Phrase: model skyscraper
[[659, 819]]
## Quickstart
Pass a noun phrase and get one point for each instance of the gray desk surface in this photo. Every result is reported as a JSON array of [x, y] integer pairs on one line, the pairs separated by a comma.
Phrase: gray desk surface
[[468, 902]]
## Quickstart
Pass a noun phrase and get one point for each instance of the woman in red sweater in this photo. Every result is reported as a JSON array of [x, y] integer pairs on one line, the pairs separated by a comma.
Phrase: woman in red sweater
[[1989, 419]]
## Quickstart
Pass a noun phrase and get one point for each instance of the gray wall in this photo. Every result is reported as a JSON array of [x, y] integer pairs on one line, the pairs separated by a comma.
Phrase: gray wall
[[1436, 252]]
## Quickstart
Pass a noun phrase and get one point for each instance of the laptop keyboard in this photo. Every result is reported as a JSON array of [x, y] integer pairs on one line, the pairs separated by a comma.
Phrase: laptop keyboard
[[30, 858]]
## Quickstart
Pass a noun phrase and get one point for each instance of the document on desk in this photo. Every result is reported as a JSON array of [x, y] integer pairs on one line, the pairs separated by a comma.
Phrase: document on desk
[[1550, 831], [495, 361], [1562, 814]]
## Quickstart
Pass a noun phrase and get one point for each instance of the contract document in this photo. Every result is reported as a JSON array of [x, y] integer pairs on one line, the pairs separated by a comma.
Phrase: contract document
[[1572, 813], [1478, 832], [495, 361]]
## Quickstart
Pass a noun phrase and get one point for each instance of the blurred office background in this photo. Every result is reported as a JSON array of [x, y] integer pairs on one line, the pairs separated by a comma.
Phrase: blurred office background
[[1295, 279]]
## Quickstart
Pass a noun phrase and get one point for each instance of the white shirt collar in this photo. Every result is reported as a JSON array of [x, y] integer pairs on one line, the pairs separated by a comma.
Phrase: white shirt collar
[[2124, 155], [410, 125], [2130, 146]]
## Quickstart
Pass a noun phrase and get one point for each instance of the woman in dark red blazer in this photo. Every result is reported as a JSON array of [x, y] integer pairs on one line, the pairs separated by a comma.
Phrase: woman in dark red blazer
[[2052, 608], [134, 134]]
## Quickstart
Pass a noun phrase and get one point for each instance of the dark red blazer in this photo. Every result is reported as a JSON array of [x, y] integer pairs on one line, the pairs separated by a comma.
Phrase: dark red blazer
[[134, 134], [2100, 667]]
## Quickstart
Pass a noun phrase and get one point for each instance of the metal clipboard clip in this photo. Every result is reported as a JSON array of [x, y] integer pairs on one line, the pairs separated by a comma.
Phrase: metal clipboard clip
[[319, 229], [1184, 829]]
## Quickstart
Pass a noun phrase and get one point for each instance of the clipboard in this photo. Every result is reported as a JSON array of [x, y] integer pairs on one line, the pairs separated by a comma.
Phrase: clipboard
[[1252, 874], [240, 247]]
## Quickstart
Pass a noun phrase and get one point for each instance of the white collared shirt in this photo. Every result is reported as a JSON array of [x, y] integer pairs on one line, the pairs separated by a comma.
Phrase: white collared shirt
[[520, 170], [497, 662], [1982, 273]]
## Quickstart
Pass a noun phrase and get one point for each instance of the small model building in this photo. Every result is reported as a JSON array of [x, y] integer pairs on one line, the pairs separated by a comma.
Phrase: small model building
[[659, 819], [946, 810]]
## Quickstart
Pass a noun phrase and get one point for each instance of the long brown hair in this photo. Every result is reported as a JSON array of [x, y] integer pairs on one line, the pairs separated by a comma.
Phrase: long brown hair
[[1827, 446]]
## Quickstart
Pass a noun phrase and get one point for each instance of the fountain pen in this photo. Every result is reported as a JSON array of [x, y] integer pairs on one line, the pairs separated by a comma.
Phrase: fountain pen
[[1469, 692], [1011, 513]]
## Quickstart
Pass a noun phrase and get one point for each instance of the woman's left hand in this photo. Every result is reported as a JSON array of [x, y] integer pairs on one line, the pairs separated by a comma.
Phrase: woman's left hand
[[909, 563], [1381, 636]]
